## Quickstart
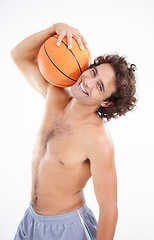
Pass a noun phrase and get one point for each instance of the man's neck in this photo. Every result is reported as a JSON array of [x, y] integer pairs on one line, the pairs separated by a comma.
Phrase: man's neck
[[78, 111]]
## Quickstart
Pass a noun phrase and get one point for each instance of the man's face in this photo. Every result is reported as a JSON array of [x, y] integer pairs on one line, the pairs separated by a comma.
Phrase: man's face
[[95, 85]]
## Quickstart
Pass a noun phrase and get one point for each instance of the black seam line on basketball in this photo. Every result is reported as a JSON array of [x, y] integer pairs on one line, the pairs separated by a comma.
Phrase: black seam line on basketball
[[72, 54], [56, 66], [62, 85]]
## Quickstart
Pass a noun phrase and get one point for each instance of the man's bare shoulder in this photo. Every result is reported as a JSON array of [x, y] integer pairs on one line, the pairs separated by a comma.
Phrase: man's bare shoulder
[[99, 132], [99, 141]]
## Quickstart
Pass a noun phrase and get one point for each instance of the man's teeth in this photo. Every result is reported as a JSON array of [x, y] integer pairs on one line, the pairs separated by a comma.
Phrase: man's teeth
[[82, 88]]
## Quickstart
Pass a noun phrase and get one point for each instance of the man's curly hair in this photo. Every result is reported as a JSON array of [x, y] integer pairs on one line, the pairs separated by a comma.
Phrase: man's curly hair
[[123, 99]]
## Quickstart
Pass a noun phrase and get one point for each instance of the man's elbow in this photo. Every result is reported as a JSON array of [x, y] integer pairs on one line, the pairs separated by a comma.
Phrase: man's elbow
[[114, 213], [16, 54], [111, 211]]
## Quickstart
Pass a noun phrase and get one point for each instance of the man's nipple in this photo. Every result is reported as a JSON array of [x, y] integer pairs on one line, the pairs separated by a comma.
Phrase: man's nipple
[[61, 163]]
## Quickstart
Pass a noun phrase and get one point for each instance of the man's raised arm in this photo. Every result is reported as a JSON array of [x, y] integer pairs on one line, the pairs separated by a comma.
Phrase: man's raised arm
[[25, 53]]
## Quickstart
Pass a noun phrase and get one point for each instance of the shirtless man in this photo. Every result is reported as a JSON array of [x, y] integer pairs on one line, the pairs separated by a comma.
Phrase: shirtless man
[[72, 145]]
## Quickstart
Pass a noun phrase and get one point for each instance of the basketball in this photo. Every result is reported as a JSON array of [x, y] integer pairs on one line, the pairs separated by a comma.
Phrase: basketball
[[61, 66]]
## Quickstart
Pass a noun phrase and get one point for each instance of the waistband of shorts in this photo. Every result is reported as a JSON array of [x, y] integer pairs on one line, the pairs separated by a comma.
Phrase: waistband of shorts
[[58, 218]]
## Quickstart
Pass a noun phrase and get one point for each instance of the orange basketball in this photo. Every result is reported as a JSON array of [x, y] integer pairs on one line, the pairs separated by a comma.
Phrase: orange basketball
[[62, 66]]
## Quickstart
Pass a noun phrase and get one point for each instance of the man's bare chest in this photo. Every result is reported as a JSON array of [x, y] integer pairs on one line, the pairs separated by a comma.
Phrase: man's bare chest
[[58, 132], [65, 143]]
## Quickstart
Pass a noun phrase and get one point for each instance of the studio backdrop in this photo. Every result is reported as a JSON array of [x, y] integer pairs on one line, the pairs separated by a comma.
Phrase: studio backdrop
[[123, 27]]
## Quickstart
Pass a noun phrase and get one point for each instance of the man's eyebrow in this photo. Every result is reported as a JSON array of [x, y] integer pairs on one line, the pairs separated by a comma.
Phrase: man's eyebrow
[[96, 71], [102, 84]]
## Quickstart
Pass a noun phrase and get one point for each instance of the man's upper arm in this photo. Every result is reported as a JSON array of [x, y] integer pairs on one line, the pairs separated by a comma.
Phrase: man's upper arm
[[103, 172], [32, 74]]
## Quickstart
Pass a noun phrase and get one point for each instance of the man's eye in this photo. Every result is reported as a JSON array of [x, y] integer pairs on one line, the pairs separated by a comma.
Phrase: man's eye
[[99, 87]]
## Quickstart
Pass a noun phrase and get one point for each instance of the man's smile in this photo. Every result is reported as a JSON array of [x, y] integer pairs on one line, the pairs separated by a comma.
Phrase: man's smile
[[82, 88]]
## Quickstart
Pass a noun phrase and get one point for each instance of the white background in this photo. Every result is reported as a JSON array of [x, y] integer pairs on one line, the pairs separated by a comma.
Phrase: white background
[[125, 27]]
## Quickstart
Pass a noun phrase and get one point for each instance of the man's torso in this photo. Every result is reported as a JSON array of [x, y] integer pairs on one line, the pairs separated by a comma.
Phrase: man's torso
[[60, 167]]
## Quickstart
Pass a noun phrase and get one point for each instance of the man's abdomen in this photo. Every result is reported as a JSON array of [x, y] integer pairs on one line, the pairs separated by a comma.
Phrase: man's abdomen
[[57, 187]]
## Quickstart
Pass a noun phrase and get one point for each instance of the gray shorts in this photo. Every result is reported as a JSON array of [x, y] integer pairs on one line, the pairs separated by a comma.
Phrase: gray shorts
[[77, 225]]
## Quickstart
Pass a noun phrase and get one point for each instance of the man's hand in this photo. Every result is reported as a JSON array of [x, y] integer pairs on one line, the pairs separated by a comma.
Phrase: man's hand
[[64, 30]]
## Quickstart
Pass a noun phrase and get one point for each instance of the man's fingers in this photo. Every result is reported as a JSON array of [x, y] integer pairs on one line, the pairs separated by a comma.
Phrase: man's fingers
[[69, 40], [61, 36], [79, 41], [84, 41], [78, 37]]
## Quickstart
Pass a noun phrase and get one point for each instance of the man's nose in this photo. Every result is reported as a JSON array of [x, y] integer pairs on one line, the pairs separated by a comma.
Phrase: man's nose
[[90, 83]]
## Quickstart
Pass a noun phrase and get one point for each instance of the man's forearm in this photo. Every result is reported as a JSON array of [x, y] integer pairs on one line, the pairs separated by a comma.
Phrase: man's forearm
[[107, 225], [28, 49]]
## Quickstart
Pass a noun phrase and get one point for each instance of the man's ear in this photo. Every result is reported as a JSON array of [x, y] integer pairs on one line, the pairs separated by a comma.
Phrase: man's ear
[[106, 103]]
